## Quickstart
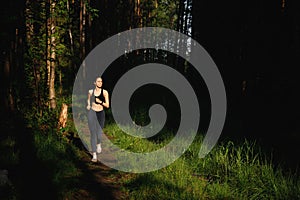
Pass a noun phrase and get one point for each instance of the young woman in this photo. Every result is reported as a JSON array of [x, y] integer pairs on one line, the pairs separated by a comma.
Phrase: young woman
[[97, 100]]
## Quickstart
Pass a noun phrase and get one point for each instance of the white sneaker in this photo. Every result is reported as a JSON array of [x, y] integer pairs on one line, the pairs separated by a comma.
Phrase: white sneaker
[[94, 159], [99, 149]]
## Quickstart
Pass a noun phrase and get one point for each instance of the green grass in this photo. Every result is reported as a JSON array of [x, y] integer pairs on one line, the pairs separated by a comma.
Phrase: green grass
[[229, 171], [9, 157], [131, 143], [37, 158], [58, 157]]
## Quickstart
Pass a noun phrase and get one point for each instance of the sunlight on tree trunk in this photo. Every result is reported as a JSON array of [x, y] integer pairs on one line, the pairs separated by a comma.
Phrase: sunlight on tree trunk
[[52, 57], [70, 29], [63, 116]]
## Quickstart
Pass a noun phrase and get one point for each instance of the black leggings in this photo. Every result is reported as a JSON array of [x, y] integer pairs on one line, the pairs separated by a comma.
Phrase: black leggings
[[96, 124]]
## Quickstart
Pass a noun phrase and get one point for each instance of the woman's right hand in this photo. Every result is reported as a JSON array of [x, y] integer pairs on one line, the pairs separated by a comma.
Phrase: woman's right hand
[[88, 107]]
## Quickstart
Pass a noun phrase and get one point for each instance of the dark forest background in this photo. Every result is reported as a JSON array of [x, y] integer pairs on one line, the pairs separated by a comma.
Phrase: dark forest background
[[255, 44]]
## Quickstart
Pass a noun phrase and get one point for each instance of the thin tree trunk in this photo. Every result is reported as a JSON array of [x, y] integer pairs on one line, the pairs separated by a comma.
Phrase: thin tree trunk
[[29, 35], [29, 25], [180, 28], [48, 39], [131, 13], [82, 24], [72, 46], [138, 23], [60, 82], [138, 14], [8, 100], [82, 16], [89, 30], [70, 29], [52, 97]]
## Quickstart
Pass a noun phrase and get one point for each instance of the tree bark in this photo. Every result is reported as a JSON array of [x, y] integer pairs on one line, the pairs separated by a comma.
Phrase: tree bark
[[82, 24], [63, 116], [8, 100], [138, 14], [52, 97]]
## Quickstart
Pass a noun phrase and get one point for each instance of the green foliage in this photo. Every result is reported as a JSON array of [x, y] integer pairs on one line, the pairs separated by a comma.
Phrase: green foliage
[[91, 10], [230, 171], [66, 20], [53, 148], [57, 155], [162, 14], [166, 14]]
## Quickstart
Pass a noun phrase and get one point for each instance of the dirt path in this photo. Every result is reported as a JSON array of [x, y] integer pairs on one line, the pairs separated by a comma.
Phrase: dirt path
[[30, 178], [98, 182]]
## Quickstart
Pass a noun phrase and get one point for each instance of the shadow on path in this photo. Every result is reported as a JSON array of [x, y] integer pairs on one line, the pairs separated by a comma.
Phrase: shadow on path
[[31, 178]]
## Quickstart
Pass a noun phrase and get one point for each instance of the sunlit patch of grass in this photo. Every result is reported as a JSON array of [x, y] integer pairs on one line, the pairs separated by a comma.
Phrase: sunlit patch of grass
[[131, 143], [229, 171]]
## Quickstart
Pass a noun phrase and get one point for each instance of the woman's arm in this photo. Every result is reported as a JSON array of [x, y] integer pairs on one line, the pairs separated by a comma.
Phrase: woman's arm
[[88, 101], [106, 103]]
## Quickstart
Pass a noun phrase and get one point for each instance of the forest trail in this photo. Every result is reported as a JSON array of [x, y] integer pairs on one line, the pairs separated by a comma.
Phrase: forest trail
[[29, 178], [97, 182]]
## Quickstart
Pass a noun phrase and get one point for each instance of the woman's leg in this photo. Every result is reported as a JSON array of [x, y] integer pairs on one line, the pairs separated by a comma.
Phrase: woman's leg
[[101, 120], [94, 128]]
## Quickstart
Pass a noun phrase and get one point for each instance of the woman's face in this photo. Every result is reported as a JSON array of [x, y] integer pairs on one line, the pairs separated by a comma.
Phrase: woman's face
[[99, 82]]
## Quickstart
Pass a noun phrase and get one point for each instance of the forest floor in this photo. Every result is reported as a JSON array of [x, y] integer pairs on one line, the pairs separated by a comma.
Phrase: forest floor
[[97, 182], [34, 178], [28, 175]]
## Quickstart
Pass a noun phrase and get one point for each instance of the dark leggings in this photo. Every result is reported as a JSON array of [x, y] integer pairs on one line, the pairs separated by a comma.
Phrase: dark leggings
[[96, 123]]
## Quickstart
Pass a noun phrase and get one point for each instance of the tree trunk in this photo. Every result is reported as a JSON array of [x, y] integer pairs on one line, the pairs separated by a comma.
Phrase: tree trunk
[[82, 37], [48, 40], [63, 116], [82, 24], [8, 99], [89, 30], [138, 14], [52, 67], [70, 29]]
